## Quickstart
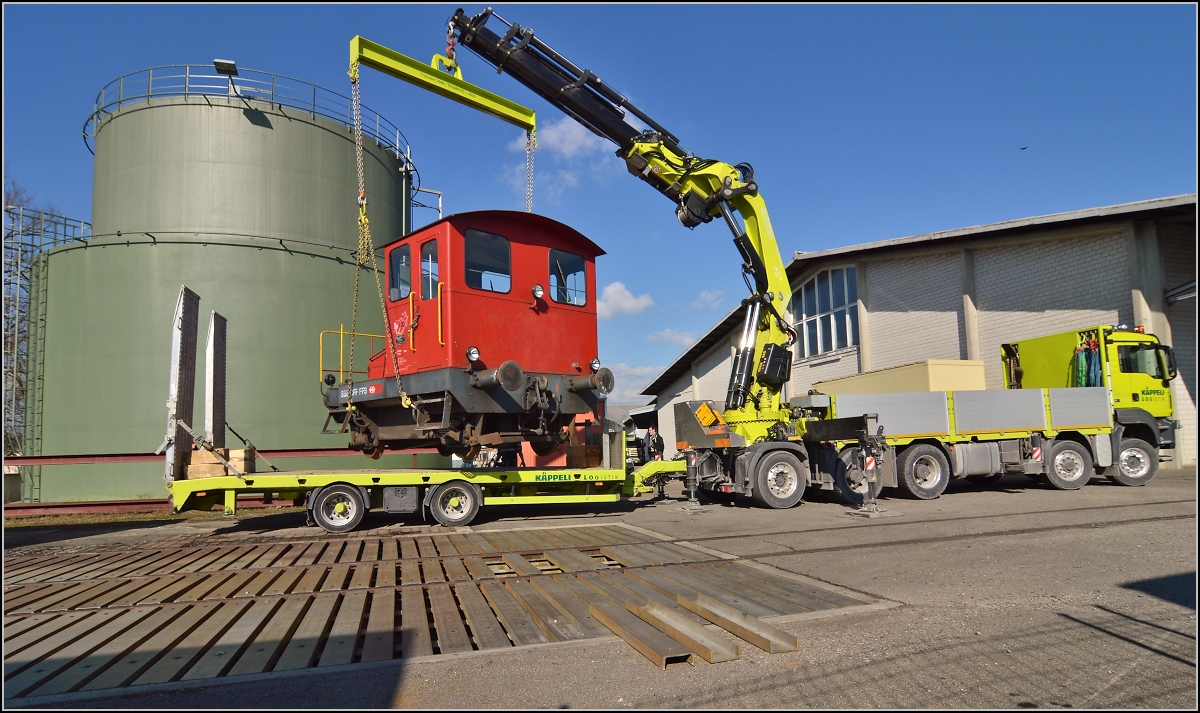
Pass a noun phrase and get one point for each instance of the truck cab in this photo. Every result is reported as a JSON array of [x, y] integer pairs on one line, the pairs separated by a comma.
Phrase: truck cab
[[1134, 366]]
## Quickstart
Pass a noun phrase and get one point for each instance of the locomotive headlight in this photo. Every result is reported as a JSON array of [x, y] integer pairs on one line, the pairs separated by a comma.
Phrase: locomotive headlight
[[538, 292], [472, 353], [595, 365]]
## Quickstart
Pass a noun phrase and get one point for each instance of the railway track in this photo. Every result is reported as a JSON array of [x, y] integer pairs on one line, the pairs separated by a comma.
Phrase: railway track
[[117, 620]]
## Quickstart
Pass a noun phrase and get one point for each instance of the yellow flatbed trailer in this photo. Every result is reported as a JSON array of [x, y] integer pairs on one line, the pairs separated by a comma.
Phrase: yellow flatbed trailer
[[337, 500]]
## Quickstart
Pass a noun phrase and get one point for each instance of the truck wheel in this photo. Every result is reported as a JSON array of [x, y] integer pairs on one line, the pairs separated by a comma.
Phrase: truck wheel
[[1137, 463], [339, 508], [455, 503], [778, 480], [926, 471], [852, 482], [1070, 466]]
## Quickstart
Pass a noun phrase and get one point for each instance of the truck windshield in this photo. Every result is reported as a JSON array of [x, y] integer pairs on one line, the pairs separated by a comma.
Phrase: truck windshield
[[1139, 359]]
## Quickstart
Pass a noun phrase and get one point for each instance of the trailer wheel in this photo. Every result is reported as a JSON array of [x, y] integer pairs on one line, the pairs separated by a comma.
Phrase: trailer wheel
[[926, 472], [1137, 463], [1070, 466], [778, 480], [455, 503], [339, 508]]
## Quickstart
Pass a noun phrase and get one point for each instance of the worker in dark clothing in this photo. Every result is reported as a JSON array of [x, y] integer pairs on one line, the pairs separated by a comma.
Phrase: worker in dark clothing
[[654, 445]]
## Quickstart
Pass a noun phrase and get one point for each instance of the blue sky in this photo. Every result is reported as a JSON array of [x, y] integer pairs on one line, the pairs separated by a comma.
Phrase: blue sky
[[863, 122]]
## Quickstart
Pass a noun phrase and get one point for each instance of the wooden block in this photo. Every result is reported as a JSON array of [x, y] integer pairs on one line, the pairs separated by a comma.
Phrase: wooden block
[[206, 471], [203, 457]]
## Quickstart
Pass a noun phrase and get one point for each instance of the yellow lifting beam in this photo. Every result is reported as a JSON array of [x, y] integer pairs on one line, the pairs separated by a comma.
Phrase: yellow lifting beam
[[376, 56]]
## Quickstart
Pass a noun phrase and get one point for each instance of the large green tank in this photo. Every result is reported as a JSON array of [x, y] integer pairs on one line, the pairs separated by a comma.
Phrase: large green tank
[[244, 189]]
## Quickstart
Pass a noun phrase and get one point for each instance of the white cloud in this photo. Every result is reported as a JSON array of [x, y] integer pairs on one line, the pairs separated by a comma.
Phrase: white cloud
[[565, 138], [617, 299], [547, 187], [708, 298], [672, 336], [630, 382]]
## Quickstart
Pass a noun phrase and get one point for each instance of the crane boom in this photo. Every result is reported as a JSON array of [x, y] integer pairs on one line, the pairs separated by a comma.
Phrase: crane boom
[[701, 189]]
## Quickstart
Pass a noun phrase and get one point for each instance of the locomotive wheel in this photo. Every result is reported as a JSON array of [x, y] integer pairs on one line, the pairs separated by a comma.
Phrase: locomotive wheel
[[445, 451], [467, 452], [374, 453], [543, 448]]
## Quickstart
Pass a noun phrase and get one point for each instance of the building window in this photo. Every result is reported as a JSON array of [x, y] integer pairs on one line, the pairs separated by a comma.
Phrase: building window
[[826, 310], [568, 278], [487, 261]]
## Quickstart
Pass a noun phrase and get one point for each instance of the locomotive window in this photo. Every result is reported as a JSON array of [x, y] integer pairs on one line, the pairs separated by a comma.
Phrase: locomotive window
[[429, 270], [568, 282], [399, 273], [488, 261]]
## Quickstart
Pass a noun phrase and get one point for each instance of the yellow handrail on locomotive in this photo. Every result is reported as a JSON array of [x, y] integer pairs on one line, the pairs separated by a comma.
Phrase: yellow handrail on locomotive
[[441, 341], [342, 334], [412, 324]]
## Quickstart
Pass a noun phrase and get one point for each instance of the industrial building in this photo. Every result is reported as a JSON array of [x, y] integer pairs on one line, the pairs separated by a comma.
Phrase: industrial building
[[241, 185], [959, 294]]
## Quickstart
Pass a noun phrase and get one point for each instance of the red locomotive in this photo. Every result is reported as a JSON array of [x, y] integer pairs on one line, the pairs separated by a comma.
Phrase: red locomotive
[[493, 325]]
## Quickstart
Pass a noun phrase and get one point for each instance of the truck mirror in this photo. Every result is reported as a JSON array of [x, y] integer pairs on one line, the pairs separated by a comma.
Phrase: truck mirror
[[1166, 360]]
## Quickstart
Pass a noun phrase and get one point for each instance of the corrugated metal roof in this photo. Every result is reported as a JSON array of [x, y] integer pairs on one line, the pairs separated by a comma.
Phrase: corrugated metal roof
[[1180, 204], [1125, 211]]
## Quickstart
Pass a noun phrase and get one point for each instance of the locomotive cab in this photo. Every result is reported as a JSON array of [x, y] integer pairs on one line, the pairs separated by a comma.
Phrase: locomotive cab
[[492, 331]]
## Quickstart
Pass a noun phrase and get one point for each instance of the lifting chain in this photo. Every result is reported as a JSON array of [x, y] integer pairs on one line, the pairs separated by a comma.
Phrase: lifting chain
[[450, 51], [366, 248], [530, 147]]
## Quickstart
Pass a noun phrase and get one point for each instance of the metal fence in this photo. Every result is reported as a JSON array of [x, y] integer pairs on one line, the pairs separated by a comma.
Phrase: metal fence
[[250, 85], [28, 235]]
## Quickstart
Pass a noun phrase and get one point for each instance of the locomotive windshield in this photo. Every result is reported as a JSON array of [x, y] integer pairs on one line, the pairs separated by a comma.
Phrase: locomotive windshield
[[568, 279], [488, 261]]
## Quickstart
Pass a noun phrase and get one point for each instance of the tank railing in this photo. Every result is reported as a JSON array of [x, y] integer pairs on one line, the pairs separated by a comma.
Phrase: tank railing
[[342, 369], [188, 80]]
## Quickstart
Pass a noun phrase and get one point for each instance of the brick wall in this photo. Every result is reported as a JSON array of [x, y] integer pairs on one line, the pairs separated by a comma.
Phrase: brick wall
[[679, 390], [1024, 291], [1177, 246], [915, 309]]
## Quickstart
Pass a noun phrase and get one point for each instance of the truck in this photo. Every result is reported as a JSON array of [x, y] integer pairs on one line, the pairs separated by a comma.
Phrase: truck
[[753, 445], [1084, 402]]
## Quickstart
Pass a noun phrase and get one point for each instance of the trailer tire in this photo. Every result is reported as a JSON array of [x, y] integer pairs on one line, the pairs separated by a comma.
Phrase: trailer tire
[[925, 471], [1137, 463], [455, 503], [1070, 466], [338, 508], [778, 480]]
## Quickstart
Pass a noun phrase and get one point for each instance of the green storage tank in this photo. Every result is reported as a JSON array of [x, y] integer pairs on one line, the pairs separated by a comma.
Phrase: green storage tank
[[244, 189]]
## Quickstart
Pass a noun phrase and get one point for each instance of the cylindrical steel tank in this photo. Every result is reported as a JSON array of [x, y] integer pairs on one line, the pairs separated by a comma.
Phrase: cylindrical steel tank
[[244, 189]]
